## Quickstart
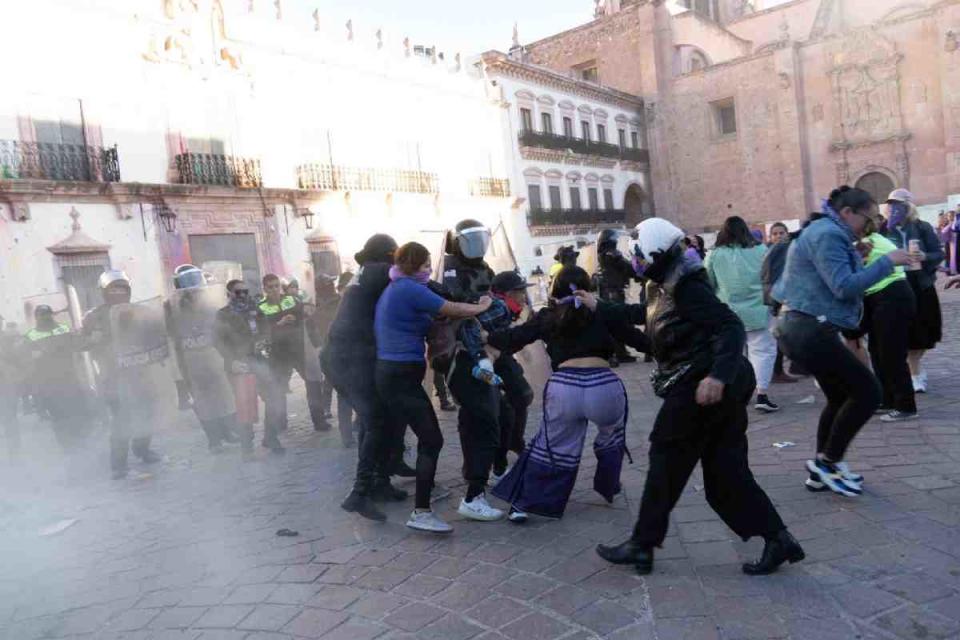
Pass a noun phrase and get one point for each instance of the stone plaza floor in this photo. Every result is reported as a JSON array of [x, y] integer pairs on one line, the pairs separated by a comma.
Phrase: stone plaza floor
[[187, 549]]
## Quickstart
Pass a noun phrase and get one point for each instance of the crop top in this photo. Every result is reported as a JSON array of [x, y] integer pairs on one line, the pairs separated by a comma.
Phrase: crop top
[[611, 323]]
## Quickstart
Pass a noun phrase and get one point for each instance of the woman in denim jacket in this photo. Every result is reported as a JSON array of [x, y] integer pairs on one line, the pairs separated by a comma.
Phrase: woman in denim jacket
[[822, 289]]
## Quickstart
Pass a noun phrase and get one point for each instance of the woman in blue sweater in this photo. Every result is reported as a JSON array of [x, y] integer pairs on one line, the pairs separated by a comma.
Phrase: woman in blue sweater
[[405, 312]]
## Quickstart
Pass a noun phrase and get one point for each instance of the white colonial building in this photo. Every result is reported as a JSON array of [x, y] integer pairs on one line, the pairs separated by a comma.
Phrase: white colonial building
[[160, 132], [577, 156]]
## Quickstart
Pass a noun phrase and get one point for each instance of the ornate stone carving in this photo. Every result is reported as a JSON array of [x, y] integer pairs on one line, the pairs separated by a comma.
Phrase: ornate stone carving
[[379, 38], [350, 29], [866, 90], [316, 19], [843, 172]]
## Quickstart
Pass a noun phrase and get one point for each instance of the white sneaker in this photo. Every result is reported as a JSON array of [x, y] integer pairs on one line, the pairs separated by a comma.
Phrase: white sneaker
[[479, 509], [428, 521], [919, 384]]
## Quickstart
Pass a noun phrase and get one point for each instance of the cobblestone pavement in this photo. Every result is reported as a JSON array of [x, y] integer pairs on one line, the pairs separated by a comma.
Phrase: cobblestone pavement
[[190, 551]]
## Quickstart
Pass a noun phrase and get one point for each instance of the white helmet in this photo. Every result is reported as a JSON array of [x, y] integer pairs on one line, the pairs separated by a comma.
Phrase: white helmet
[[656, 235], [111, 276]]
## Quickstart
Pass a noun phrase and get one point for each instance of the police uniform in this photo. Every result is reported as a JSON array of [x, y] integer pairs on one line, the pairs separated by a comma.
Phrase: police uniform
[[285, 353]]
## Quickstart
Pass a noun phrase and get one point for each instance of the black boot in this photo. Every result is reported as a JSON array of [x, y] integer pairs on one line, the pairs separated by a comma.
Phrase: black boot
[[363, 506], [446, 405], [383, 491], [629, 552], [779, 548], [402, 470]]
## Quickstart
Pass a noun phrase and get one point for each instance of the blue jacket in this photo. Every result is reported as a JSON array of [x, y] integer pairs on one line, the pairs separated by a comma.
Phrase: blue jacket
[[824, 276]]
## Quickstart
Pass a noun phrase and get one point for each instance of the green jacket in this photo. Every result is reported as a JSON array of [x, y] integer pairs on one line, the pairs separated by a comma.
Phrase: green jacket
[[735, 274]]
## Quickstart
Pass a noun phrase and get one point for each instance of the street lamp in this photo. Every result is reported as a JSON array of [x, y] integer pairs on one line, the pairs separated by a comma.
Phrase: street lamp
[[308, 214], [168, 218]]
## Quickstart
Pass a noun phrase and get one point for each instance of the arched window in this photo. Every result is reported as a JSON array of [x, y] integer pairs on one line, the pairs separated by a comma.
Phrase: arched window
[[877, 184], [696, 62]]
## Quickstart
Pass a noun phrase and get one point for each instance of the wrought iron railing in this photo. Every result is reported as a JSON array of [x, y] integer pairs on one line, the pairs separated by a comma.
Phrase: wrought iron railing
[[557, 217], [329, 177], [49, 161], [490, 187], [579, 145], [634, 154], [210, 168]]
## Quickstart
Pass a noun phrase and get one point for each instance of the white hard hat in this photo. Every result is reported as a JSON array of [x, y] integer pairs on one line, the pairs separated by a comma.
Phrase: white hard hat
[[656, 235], [112, 275]]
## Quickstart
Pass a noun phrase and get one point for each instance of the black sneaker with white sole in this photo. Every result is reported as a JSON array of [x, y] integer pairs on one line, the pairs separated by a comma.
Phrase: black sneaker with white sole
[[899, 416], [813, 483], [830, 476], [765, 405]]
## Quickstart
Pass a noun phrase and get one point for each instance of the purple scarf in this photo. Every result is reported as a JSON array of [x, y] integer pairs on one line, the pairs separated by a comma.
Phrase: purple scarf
[[422, 277]]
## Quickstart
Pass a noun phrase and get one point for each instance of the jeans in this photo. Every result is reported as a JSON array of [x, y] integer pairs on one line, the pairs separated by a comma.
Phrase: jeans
[[400, 385], [355, 381], [762, 353], [852, 391], [715, 436], [478, 424], [887, 318]]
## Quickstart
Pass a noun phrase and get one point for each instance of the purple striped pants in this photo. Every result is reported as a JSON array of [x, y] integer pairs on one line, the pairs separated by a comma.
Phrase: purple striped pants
[[543, 478]]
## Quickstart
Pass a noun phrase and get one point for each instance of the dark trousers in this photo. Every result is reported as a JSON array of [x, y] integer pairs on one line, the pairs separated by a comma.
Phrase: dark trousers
[[852, 391], [344, 411], [887, 318], [121, 442], [478, 423], [715, 436], [400, 385], [440, 384], [315, 402], [515, 403], [9, 400], [354, 380], [218, 429], [275, 396]]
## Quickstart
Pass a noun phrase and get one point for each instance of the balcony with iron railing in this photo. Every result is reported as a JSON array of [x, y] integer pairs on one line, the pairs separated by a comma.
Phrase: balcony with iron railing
[[558, 142], [490, 187], [574, 217], [217, 169], [327, 177], [49, 161]]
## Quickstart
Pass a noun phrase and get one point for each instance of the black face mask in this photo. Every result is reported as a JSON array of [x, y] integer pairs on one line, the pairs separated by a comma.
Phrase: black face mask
[[661, 262]]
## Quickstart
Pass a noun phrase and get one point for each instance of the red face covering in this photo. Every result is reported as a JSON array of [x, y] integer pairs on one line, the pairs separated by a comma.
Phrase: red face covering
[[514, 306]]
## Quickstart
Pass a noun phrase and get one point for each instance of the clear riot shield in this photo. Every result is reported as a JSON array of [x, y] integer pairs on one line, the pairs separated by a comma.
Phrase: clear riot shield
[[192, 314], [222, 271], [144, 385]]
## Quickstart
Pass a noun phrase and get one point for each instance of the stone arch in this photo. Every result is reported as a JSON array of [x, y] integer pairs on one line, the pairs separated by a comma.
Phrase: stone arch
[[878, 182], [634, 204]]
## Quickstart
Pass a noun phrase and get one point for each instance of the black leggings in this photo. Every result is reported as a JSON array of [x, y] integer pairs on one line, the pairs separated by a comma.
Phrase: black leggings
[[400, 386], [888, 315], [852, 391]]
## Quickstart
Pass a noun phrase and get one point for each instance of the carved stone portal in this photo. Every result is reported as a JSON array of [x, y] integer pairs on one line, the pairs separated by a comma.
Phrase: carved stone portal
[[866, 90]]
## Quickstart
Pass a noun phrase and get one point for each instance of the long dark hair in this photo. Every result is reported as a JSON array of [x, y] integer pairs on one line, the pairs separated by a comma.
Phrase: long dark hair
[[846, 196], [568, 318], [735, 233]]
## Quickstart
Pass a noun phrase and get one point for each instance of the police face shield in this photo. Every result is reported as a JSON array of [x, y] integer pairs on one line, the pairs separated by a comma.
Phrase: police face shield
[[189, 279], [474, 242]]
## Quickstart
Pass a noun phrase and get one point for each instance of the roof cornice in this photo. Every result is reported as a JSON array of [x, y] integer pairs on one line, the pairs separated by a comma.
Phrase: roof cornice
[[497, 62]]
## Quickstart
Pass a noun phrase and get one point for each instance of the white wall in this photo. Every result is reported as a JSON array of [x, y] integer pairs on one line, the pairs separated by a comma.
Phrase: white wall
[[28, 269]]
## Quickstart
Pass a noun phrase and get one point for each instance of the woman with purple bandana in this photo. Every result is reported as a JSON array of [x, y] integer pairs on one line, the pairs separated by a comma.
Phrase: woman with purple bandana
[[907, 231], [405, 313]]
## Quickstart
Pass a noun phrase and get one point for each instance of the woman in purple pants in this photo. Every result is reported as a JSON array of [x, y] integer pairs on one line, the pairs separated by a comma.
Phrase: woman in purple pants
[[582, 389]]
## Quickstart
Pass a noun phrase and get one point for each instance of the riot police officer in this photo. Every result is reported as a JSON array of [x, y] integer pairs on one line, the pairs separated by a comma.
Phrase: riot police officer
[[54, 381], [613, 277], [466, 278], [115, 288], [190, 316]]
